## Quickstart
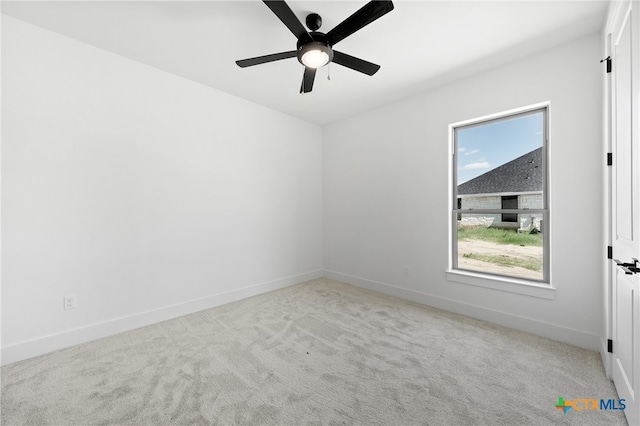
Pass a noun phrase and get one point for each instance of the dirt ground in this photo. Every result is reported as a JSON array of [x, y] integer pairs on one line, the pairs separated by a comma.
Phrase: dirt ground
[[489, 248]]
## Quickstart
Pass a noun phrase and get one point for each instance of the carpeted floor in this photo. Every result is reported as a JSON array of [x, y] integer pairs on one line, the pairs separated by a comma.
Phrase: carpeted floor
[[321, 352]]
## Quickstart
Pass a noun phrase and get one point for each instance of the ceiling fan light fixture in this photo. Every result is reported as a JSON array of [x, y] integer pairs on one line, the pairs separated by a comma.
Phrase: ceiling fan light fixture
[[315, 59], [315, 55]]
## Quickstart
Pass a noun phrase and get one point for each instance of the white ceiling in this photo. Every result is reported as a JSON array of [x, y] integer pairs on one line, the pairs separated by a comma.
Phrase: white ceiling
[[419, 45]]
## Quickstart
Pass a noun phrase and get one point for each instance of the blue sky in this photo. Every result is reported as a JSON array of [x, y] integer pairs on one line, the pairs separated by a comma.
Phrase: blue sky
[[485, 147]]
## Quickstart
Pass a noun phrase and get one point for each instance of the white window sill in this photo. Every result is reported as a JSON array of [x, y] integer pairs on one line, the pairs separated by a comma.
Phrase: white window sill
[[511, 285]]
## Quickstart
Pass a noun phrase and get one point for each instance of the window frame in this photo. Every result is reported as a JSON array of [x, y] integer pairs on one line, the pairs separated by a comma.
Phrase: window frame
[[540, 288]]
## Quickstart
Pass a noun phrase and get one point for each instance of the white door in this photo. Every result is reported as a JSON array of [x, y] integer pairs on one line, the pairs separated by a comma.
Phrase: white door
[[625, 211]]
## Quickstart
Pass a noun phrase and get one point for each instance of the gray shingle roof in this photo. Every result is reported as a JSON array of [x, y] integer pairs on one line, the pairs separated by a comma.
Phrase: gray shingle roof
[[524, 174]]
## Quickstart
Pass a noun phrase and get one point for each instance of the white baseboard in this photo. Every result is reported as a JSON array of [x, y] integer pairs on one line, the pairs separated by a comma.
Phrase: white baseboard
[[529, 325], [42, 345]]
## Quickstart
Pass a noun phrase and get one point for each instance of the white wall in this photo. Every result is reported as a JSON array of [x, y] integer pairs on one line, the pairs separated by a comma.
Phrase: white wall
[[144, 194], [386, 178]]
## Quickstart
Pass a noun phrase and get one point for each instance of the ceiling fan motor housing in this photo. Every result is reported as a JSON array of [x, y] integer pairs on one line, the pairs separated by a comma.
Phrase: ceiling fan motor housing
[[314, 21]]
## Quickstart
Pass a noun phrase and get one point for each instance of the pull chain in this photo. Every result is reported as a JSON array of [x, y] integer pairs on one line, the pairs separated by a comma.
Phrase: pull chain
[[329, 71]]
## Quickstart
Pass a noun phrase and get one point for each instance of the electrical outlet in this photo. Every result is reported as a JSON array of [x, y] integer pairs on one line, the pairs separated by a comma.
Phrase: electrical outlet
[[69, 302], [407, 271]]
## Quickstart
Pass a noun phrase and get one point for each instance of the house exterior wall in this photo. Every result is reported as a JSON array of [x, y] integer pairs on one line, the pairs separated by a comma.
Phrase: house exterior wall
[[482, 202], [530, 201], [525, 221]]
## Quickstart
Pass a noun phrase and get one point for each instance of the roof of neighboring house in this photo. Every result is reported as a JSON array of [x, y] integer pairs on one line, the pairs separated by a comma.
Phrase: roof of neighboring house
[[524, 174]]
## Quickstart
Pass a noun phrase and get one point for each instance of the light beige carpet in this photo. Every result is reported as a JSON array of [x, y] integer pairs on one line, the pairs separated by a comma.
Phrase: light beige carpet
[[321, 352]]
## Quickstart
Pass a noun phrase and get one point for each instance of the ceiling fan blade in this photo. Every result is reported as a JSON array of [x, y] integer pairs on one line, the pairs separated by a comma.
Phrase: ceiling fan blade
[[266, 58], [354, 63], [307, 80], [366, 15], [286, 15]]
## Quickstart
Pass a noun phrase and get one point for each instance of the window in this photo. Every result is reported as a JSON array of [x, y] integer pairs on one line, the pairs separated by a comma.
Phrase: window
[[509, 202], [500, 196]]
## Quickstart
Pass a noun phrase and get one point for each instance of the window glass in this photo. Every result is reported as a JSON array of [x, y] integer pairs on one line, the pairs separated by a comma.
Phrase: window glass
[[500, 196]]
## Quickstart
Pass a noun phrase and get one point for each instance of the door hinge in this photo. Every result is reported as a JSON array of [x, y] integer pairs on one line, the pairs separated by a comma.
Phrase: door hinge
[[609, 159], [608, 60], [610, 346], [609, 252]]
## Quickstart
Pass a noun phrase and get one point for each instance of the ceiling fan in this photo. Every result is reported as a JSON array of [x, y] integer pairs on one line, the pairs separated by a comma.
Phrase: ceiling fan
[[315, 49]]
